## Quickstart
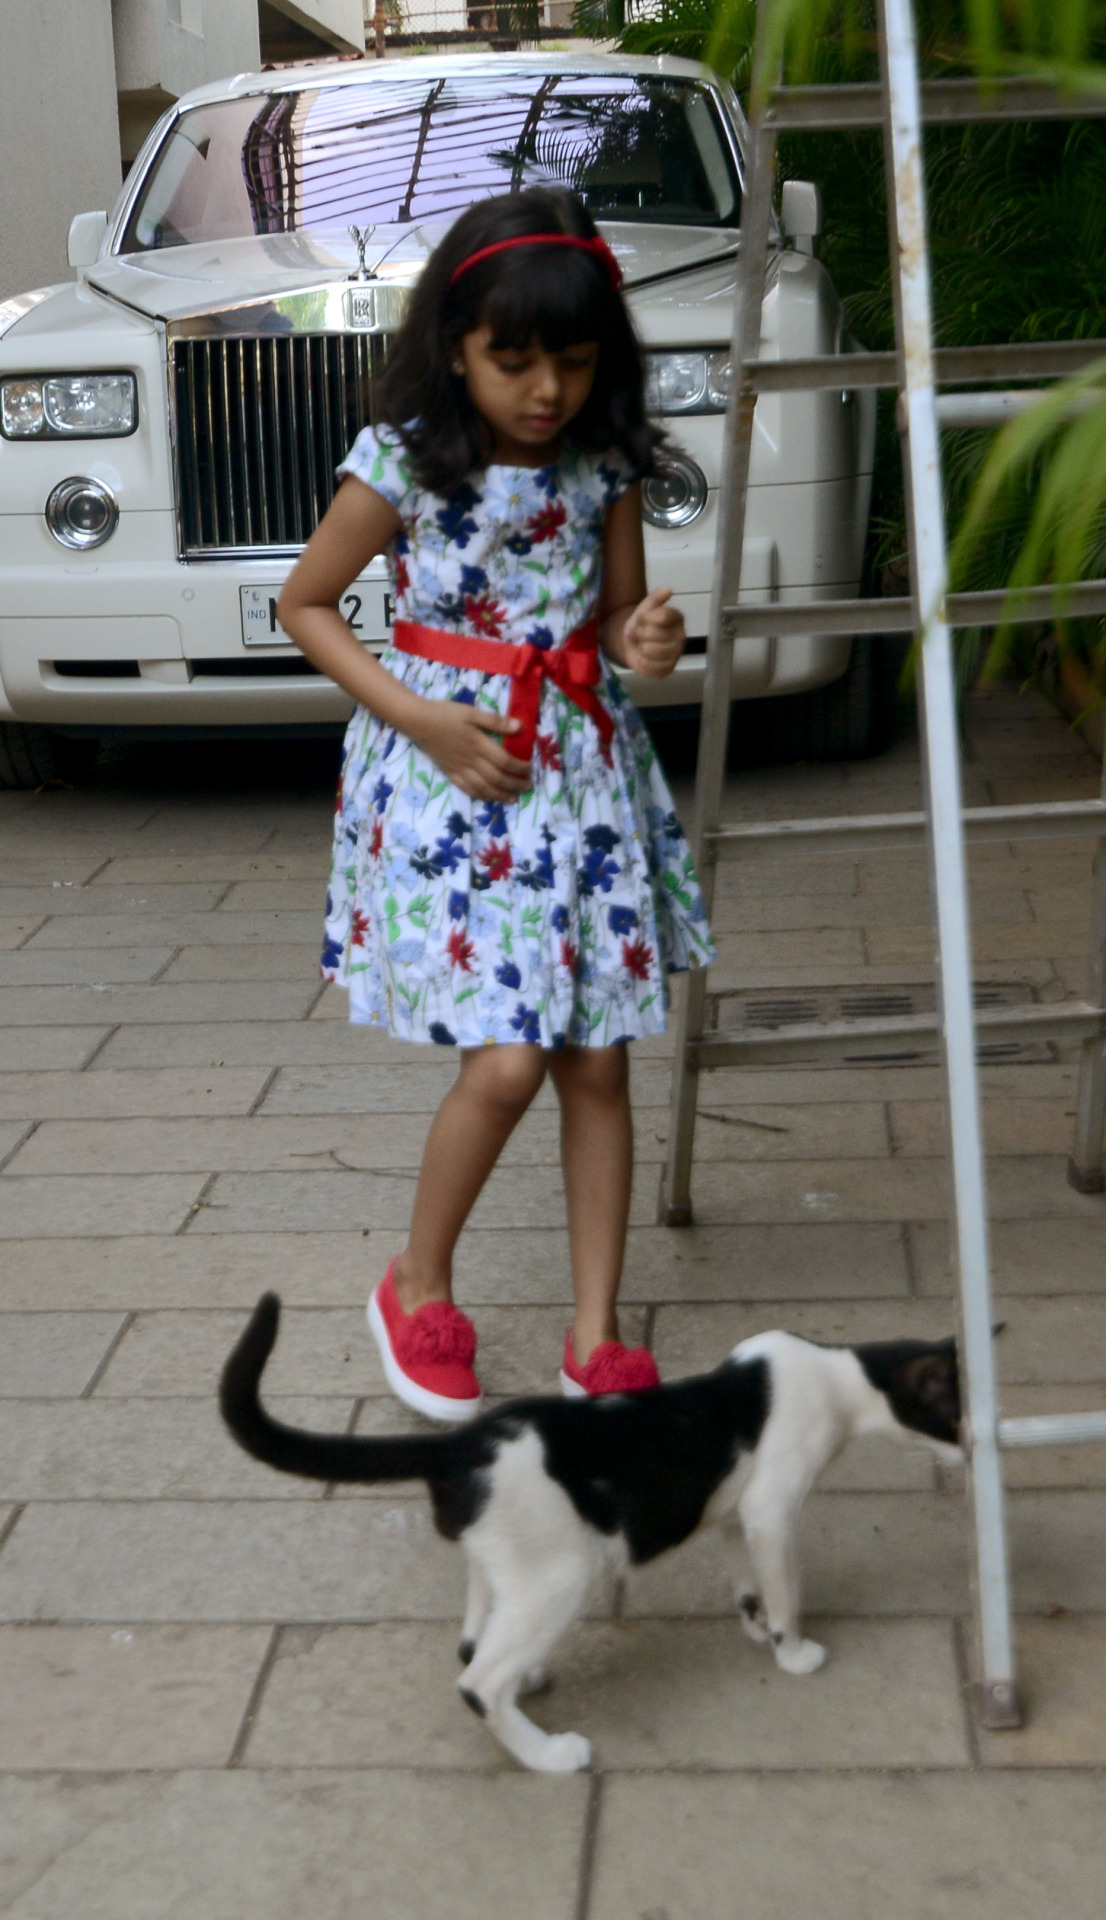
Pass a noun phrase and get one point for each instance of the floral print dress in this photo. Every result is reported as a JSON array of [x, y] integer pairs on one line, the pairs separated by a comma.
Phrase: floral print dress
[[553, 919]]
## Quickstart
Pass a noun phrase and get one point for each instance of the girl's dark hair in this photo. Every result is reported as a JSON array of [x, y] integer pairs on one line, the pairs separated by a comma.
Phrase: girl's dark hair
[[559, 295]]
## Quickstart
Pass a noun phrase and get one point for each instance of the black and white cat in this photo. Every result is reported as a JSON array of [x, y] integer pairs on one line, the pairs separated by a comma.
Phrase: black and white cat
[[542, 1492]]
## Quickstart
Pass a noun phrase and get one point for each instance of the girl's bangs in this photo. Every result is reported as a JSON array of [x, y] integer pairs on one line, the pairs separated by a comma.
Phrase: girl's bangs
[[558, 297]]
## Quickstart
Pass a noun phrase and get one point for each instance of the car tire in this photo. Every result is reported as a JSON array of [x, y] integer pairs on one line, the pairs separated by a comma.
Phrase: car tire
[[32, 756], [850, 719]]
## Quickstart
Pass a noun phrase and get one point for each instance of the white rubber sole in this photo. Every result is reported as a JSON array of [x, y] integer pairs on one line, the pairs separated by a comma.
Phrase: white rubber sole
[[434, 1405], [571, 1388]]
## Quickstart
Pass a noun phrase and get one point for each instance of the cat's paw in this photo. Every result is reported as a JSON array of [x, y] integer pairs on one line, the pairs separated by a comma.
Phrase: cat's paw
[[799, 1656], [564, 1753], [751, 1615]]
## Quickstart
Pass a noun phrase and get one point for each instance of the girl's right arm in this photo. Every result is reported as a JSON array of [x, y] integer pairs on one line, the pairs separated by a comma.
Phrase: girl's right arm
[[459, 739]]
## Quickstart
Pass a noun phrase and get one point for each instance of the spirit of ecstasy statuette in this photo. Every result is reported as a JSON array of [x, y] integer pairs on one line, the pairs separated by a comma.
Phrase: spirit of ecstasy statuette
[[361, 237]]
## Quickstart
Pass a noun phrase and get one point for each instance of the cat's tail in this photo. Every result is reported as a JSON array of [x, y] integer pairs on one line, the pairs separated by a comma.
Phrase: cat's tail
[[318, 1456]]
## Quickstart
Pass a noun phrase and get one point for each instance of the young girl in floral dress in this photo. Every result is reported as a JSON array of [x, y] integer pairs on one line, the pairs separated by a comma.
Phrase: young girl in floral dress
[[509, 874]]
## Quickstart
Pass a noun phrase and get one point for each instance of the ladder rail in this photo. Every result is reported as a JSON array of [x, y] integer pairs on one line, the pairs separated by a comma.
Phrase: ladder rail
[[899, 106], [756, 227]]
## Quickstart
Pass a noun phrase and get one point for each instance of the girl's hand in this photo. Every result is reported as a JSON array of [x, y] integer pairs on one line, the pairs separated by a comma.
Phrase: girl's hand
[[459, 740], [653, 637]]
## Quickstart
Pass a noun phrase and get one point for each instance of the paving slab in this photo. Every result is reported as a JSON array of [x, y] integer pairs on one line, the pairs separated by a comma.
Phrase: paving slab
[[100, 1698], [55, 869], [1059, 1339], [364, 1143], [15, 928], [329, 1350], [229, 1560], [38, 1049], [1028, 1188], [1027, 1256], [152, 1270], [288, 960], [916, 1845], [12, 1134], [1062, 1682], [277, 1846], [84, 966], [648, 1694], [230, 1043], [76, 900], [155, 1449], [301, 1202], [42, 1816], [53, 1356], [902, 1553], [91, 1204], [219, 864], [183, 930], [1010, 1126], [147, 1091], [152, 1005]]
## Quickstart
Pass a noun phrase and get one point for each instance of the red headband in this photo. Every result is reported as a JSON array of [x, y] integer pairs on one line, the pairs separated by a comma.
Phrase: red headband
[[597, 248]]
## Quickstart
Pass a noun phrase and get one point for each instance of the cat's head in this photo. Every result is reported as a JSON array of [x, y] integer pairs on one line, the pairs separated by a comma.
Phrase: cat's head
[[920, 1383]]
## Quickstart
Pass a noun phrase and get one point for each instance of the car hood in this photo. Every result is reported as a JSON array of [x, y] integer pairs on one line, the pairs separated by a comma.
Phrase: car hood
[[183, 282]]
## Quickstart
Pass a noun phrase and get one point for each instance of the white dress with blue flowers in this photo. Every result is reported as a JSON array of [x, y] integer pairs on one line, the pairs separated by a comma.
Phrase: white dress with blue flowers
[[554, 919]]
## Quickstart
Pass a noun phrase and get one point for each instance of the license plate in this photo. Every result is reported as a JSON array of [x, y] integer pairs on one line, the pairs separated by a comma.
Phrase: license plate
[[368, 606]]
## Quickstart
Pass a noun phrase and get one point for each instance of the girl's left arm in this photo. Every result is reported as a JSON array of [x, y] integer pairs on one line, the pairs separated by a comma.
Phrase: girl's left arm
[[637, 629]]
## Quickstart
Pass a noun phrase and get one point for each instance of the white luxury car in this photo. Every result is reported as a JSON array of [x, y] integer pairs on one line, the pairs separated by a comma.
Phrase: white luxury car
[[170, 423]]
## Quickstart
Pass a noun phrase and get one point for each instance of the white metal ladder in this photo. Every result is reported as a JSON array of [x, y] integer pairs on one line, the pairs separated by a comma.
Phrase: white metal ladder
[[897, 105]]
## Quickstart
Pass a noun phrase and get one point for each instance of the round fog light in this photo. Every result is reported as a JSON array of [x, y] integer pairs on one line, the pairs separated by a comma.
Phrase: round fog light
[[677, 494], [82, 513]]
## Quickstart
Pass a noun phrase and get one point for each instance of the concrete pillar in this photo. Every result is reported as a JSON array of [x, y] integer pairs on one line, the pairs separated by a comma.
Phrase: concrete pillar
[[59, 132]]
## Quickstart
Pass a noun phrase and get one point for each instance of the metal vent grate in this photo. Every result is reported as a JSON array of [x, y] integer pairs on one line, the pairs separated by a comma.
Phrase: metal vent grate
[[259, 426], [748, 1009]]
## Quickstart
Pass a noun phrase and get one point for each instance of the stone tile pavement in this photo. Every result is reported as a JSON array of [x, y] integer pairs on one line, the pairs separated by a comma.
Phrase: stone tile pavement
[[228, 1696]]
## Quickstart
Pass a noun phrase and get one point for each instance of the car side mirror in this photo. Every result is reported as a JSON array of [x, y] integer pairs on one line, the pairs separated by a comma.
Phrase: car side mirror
[[801, 213], [86, 234]]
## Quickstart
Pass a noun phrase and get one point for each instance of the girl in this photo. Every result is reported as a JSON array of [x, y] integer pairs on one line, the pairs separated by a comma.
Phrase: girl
[[509, 875]]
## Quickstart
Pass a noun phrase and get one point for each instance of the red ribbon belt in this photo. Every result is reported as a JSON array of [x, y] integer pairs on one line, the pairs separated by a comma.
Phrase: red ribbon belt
[[573, 668]]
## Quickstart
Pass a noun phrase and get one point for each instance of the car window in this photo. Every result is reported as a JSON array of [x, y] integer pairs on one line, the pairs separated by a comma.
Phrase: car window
[[634, 147]]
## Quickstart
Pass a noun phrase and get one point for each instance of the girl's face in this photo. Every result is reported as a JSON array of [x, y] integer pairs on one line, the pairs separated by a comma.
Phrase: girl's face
[[526, 394]]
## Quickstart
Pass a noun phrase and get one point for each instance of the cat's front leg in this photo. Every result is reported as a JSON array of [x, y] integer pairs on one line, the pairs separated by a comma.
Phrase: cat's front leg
[[770, 1536]]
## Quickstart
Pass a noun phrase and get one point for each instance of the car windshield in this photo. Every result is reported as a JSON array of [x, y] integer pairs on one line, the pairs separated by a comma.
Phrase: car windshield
[[389, 151]]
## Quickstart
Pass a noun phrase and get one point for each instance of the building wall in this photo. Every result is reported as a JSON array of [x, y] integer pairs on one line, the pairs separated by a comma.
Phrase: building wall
[[164, 47], [59, 132], [338, 23]]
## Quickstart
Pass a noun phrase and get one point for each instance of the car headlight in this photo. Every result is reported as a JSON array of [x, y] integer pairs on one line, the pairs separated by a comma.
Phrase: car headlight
[[675, 495], [68, 406], [690, 382], [82, 513]]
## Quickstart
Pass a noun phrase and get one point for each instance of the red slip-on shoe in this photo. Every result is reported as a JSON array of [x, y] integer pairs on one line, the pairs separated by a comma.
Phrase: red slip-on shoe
[[612, 1368], [427, 1354]]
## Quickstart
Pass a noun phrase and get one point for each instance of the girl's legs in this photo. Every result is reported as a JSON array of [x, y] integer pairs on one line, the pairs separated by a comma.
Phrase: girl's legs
[[470, 1129], [597, 1154]]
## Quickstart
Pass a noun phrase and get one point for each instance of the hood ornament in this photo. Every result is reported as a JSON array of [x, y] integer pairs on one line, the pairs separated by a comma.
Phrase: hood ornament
[[361, 237]]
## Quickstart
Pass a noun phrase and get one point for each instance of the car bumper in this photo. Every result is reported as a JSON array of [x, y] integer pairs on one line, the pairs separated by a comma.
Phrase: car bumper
[[123, 642]]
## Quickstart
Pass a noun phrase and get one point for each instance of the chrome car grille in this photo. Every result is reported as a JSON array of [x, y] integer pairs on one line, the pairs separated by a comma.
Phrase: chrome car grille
[[259, 426]]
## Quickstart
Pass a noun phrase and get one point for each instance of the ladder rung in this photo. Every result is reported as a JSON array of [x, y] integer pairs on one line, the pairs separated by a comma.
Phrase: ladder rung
[[846, 105], [1052, 1430], [878, 832], [770, 619], [1007, 360], [856, 1039]]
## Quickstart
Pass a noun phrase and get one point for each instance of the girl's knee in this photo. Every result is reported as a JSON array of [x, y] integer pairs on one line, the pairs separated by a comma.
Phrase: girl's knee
[[599, 1073], [504, 1076]]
